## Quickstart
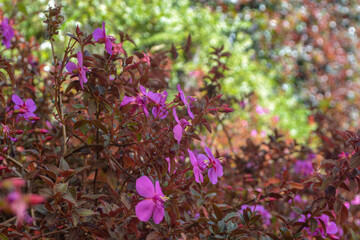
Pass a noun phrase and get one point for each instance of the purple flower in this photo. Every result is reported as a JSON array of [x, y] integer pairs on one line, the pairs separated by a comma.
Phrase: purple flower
[[304, 167], [216, 170], [159, 99], [78, 69], [26, 108], [198, 164], [180, 127], [141, 100], [331, 227], [260, 110], [100, 36], [185, 101], [266, 216], [153, 205], [7, 32]]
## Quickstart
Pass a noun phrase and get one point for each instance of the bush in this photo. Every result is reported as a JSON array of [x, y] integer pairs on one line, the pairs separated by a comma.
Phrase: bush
[[94, 147]]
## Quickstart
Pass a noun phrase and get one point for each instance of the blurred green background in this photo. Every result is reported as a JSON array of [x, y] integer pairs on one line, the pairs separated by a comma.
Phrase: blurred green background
[[156, 24]]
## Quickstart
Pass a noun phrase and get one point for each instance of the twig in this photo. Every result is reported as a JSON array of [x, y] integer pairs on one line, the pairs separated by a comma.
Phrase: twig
[[94, 146], [13, 160], [57, 231], [8, 221]]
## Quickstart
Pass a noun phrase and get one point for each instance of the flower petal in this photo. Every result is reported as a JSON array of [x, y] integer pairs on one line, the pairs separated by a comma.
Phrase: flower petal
[[82, 78], [127, 100], [30, 105], [158, 189], [70, 66], [108, 46], [193, 159], [158, 214], [143, 90], [80, 58], [178, 132], [198, 175], [17, 100], [155, 97], [145, 187], [103, 27], [145, 209], [209, 153], [212, 176], [175, 116], [202, 160], [98, 34], [331, 228], [219, 169], [189, 112], [145, 110], [182, 95]]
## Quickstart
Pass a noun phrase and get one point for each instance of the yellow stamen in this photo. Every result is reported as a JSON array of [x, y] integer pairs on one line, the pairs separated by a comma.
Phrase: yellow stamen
[[164, 198]]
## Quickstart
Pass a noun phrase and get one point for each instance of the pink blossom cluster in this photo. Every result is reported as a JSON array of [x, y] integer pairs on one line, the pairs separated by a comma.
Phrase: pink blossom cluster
[[16, 202]]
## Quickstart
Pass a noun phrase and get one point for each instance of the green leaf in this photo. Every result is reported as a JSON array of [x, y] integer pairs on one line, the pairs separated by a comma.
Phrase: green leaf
[[297, 210], [64, 166], [80, 123], [230, 215], [3, 236], [60, 188], [195, 193], [84, 212], [78, 106], [98, 124]]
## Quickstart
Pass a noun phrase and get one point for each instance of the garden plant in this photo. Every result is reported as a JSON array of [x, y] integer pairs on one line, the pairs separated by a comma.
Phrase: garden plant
[[100, 143]]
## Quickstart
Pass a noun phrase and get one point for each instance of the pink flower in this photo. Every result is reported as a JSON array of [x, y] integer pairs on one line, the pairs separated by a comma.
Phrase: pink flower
[[216, 170], [185, 101], [146, 59], [100, 36], [160, 100], [356, 200], [6, 128], [7, 32], [180, 127], [331, 227], [142, 99], [78, 69], [153, 205], [118, 48], [253, 133], [266, 216], [260, 110], [26, 108], [198, 164]]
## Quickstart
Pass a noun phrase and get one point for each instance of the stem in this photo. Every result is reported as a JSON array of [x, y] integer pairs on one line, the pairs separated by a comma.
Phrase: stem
[[58, 93]]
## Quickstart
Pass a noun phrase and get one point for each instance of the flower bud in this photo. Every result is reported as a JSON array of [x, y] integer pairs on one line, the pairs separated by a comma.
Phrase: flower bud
[[225, 109], [43, 131], [20, 110], [47, 139], [33, 118], [17, 132], [36, 199]]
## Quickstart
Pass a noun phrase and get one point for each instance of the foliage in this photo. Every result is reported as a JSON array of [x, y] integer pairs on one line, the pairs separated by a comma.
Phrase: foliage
[[97, 148], [157, 24]]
